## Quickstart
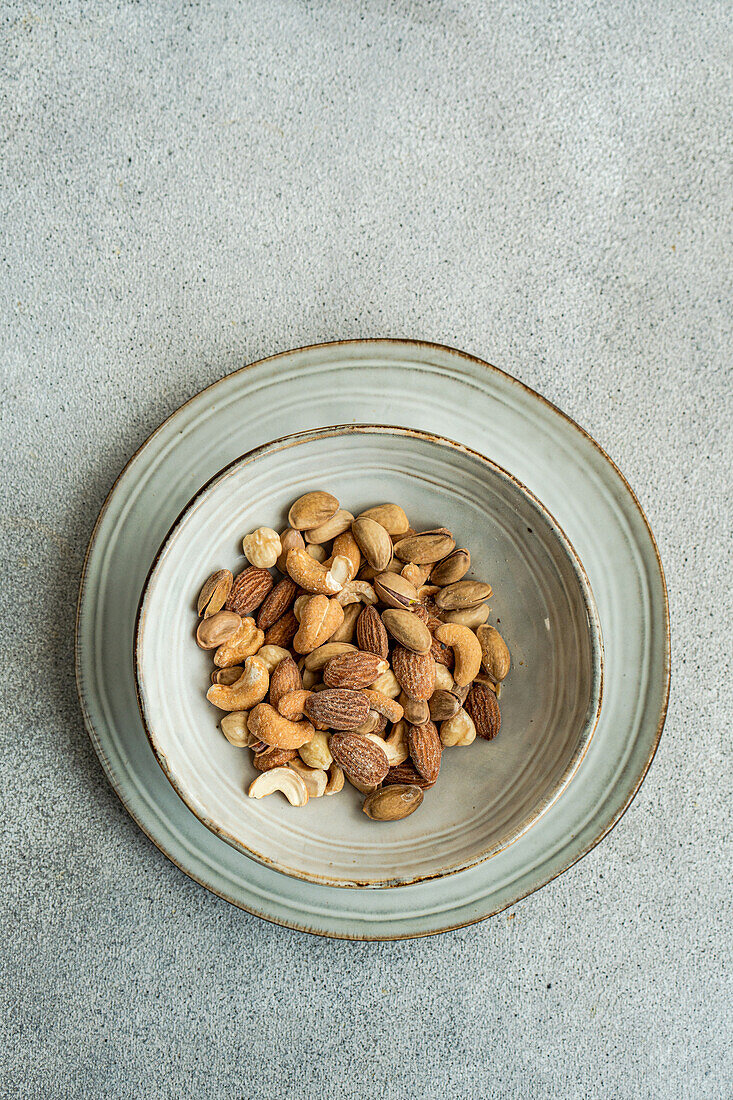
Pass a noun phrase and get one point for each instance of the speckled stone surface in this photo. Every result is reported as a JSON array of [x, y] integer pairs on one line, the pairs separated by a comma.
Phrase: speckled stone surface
[[186, 188]]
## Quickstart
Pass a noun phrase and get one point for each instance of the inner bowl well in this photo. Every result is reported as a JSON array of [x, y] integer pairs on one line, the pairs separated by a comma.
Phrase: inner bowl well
[[489, 793]]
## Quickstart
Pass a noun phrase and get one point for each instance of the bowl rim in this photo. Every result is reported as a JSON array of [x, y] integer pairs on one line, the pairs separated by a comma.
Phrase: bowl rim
[[594, 631]]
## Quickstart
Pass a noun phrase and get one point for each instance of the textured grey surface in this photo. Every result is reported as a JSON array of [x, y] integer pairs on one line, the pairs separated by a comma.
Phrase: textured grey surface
[[187, 187]]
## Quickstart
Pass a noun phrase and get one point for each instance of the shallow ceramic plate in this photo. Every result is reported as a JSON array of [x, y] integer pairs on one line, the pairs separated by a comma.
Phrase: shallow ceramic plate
[[436, 389], [488, 795]]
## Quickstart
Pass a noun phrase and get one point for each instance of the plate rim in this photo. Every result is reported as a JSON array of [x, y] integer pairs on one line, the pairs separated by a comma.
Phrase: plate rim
[[293, 439], [366, 342]]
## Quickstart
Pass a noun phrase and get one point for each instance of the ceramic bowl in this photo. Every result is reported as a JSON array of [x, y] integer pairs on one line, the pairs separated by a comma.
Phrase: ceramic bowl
[[489, 793]]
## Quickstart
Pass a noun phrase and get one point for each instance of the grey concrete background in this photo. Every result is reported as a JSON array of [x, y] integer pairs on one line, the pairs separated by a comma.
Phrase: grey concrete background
[[187, 187]]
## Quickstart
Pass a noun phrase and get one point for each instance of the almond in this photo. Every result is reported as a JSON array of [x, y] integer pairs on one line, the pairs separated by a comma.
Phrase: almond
[[268, 759], [408, 630], [462, 595], [371, 633], [373, 541], [338, 708], [312, 510], [426, 750], [283, 631], [415, 672], [249, 590], [353, 670], [284, 679], [481, 704], [392, 803], [406, 773], [442, 654], [426, 546], [277, 603], [361, 759]]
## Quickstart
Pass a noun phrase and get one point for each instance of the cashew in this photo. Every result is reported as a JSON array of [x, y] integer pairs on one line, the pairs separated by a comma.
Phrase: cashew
[[371, 723], [466, 650], [262, 547], [357, 592], [443, 677], [250, 688], [316, 754], [291, 705], [319, 657], [395, 744], [270, 726], [391, 751], [383, 704], [345, 546], [310, 574], [271, 656], [458, 730], [346, 631], [286, 780], [234, 728], [315, 779], [299, 604], [317, 552], [335, 779], [245, 643], [318, 620], [387, 684]]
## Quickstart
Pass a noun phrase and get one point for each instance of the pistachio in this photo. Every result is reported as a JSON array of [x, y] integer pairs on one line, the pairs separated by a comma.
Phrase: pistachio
[[218, 629], [392, 803], [396, 591], [312, 510], [214, 593], [494, 652], [426, 546], [373, 541], [451, 569], [461, 595], [471, 617], [408, 630], [389, 516], [338, 523]]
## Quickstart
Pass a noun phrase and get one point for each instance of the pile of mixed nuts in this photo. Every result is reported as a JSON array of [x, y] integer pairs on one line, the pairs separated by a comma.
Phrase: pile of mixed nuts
[[363, 658]]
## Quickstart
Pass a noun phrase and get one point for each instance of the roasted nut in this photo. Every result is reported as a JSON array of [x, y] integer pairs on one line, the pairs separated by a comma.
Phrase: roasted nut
[[392, 803], [451, 569], [396, 744], [335, 780], [383, 704], [320, 553], [425, 749], [443, 678], [315, 779], [250, 688], [481, 704], [283, 631], [217, 629], [316, 753], [319, 619], [494, 652], [462, 595], [249, 590], [371, 633], [234, 728], [318, 658], [458, 730], [357, 592], [346, 631], [227, 676], [353, 670], [443, 705], [312, 510], [270, 726], [262, 547], [416, 711], [387, 684], [284, 680], [417, 575], [466, 651], [289, 540], [338, 708], [300, 603], [245, 643], [311, 575], [360, 758], [285, 780], [338, 523], [425, 547], [373, 541], [271, 656], [214, 593], [407, 773], [266, 758], [370, 726], [396, 591], [276, 603], [408, 630], [292, 705], [472, 617], [345, 546], [310, 679], [389, 516], [415, 672]]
